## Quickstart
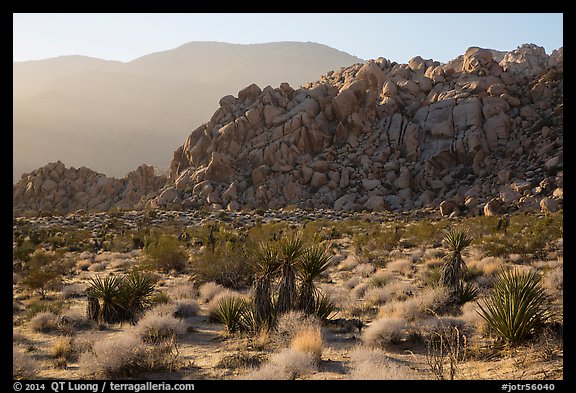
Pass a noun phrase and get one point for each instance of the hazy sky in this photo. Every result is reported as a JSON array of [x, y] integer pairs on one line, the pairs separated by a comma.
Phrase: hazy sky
[[397, 37]]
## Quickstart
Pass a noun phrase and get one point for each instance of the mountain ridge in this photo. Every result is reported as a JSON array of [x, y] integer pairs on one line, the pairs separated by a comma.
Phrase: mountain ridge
[[117, 103]]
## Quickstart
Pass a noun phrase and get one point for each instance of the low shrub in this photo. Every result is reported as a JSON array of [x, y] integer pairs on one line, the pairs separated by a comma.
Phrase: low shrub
[[209, 290], [44, 322], [310, 341], [289, 324], [24, 366], [126, 356], [155, 327], [186, 308], [384, 332], [288, 364], [374, 364], [167, 254]]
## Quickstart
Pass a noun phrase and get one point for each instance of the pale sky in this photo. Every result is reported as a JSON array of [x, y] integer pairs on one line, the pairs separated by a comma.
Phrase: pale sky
[[396, 36]]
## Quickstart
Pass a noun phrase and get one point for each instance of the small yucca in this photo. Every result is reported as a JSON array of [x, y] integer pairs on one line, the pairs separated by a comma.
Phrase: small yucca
[[267, 264], [516, 306], [454, 268], [314, 262], [231, 312], [291, 249]]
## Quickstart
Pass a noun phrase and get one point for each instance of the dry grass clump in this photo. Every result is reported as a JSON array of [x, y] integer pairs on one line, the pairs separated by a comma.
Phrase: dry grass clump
[[98, 266], [208, 290], [288, 364], [24, 366], [45, 322], [83, 264], [374, 364], [554, 281], [434, 253], [349, 263], [186, 308], [490, 266], [380, 278], [121, 263], [395, 290], [72, 291], [63, 351], [352, 282], [384, 332], [364, 269], [125, 355], [401, 266], [182, 291], [427, 302], [309, 340], [359, 290], [290, 324], [156, 326]]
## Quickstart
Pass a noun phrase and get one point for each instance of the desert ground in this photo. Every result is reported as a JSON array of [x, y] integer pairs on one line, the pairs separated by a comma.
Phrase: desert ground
[[387, 309]]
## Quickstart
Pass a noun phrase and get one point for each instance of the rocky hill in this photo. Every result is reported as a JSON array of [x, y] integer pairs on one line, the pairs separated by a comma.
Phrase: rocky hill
[[55, 188], [112, 116], [470, 136]]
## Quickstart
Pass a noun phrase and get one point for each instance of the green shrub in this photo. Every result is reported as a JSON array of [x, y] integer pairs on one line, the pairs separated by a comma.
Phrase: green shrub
[[166, 253], [516, 306], [42, 274], [39, 306], [228, 264], [120, 298]]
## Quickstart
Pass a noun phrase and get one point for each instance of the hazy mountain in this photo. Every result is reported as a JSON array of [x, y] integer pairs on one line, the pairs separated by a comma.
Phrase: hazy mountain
[[112, 116]]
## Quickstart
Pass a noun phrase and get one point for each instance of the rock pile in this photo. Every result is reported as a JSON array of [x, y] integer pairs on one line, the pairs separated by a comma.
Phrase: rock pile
[[473, 136], [55, 188]]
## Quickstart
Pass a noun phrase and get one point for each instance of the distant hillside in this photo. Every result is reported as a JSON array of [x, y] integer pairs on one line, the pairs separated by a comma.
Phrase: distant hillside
[[112, 116]]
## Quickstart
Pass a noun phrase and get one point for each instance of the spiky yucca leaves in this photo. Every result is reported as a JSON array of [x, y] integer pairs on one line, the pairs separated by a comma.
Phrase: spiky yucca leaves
[[116, 298], [314, 262], [291, 249], [516, 306], [266, 265], [106, 291], [231, 312], [136, 290], [454, 268], [324, 309]]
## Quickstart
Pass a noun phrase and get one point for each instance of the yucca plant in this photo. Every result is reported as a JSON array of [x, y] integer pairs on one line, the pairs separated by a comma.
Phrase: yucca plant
[[136, 293], [231, 312], [516, 306], [266, 265], [469, 293], [324, 308], [313, 263], [291, 249], [103, 298], [454, 267], [119, 298]]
